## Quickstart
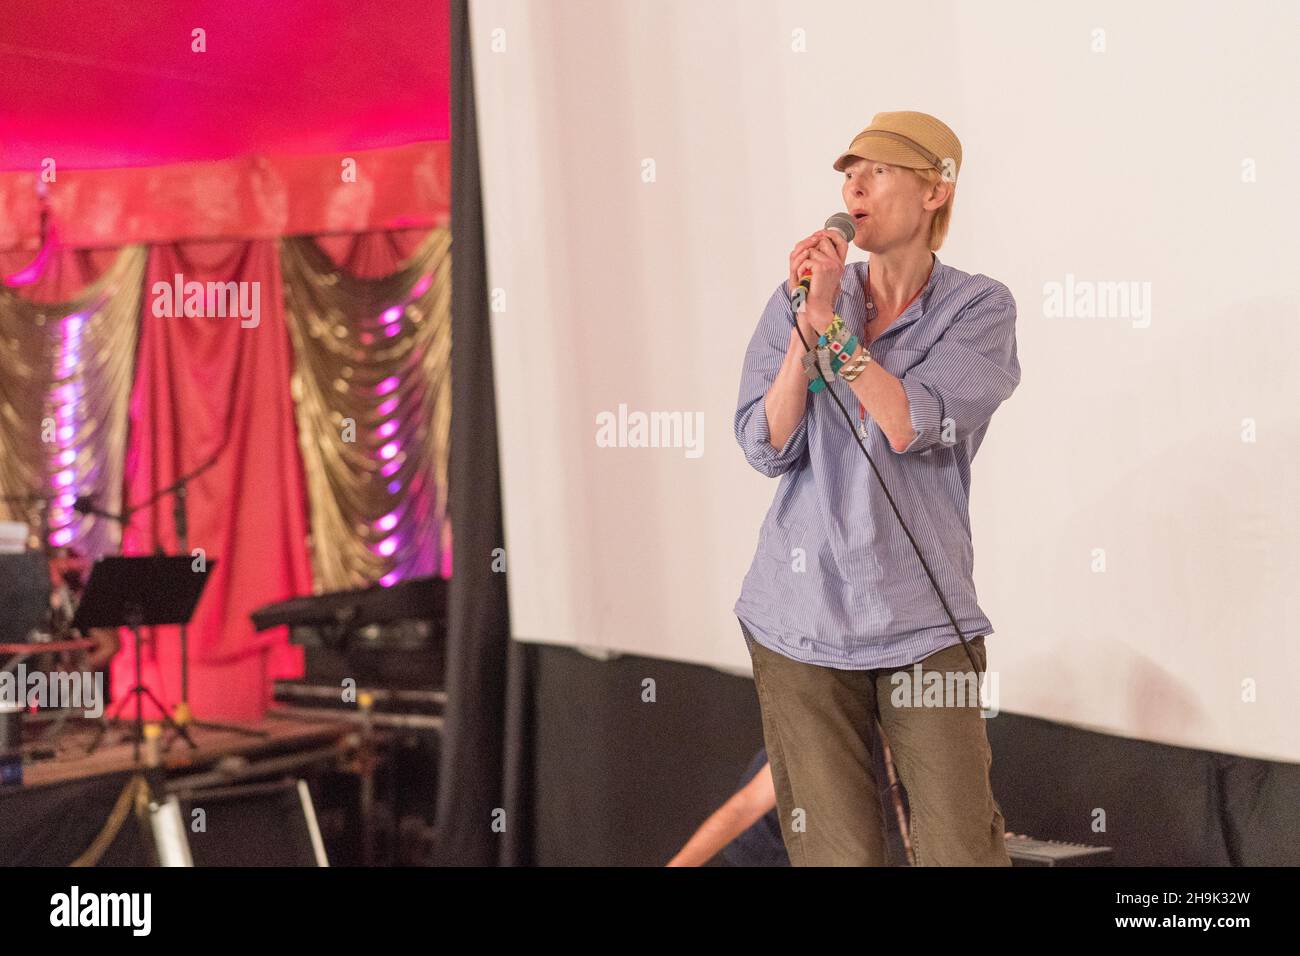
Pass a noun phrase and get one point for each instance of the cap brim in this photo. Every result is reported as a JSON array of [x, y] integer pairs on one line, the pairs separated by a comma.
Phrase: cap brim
[[881, 149]]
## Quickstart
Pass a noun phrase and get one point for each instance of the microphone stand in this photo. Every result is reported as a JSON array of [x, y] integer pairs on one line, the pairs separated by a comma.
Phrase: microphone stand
[[179, 489], [180, 493]]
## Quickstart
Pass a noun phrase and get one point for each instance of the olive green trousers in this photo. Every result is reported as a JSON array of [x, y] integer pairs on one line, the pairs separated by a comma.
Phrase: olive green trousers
[[817, 724]]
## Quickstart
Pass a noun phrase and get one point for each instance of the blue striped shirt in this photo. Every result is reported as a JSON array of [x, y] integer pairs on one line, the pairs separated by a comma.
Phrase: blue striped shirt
[[835, 581]]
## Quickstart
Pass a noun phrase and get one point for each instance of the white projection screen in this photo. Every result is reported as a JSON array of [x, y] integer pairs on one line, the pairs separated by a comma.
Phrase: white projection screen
[[1136, 508]]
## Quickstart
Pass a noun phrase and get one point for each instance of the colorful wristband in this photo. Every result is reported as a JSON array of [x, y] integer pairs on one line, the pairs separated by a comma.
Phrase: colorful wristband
[[856, 365], [822, 363], [832, 331]]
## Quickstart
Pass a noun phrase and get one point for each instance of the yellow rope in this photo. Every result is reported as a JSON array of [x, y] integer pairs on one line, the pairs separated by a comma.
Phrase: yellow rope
[[136, 792]]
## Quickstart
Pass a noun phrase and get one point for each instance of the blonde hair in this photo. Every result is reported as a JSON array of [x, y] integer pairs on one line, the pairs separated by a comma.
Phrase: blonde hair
[[942, 215]]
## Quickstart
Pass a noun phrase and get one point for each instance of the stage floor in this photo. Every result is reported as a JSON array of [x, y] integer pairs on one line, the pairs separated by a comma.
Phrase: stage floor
[[71, 761]]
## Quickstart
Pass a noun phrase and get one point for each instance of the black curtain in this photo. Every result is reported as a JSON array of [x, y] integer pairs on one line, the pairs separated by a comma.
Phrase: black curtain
[[483, 816], [54, 824]]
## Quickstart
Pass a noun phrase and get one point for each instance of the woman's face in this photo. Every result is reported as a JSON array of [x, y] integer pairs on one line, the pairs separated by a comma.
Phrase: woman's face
[[889, 203]]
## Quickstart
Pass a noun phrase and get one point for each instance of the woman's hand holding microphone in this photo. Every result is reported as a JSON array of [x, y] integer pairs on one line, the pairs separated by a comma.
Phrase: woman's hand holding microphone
[[822, 255]]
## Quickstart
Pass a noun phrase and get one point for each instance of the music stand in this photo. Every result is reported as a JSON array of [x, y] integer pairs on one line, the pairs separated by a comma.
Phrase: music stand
[[142, 592]]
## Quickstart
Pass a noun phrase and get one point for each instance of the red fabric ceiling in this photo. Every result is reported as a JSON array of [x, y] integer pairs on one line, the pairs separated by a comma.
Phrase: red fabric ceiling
[[97, 84]]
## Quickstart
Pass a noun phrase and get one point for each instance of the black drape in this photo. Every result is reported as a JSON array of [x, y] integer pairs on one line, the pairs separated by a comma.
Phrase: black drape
[[53, 825], [484, 768]]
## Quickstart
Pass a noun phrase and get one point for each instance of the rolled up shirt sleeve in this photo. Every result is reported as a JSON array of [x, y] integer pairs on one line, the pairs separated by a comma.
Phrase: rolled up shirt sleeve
[[763, 360], [966, 374]]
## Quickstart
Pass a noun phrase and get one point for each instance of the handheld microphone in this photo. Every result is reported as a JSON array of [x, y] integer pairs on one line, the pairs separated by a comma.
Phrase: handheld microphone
[[847, 227]]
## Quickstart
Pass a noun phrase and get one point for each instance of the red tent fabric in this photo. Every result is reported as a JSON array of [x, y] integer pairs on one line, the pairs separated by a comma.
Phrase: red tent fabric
[[205, 120], [255, 197], [137, 136], [99, 84]]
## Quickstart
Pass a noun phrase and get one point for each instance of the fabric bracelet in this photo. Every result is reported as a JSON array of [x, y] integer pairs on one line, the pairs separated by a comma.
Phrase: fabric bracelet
[[822, 363], [832, 330]]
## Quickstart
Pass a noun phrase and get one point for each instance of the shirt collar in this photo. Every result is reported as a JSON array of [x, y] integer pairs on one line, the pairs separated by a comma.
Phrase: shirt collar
[[852, 303]]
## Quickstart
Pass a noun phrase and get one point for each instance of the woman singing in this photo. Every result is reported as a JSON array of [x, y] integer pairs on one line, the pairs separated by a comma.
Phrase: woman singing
[[842, 621]]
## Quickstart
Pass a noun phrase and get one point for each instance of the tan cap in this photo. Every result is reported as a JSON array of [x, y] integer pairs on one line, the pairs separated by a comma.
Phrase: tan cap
[[905, 138]]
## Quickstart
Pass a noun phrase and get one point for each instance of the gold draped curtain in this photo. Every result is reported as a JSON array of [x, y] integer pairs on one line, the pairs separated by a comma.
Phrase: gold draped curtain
[[64, 399], [372, 390]]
